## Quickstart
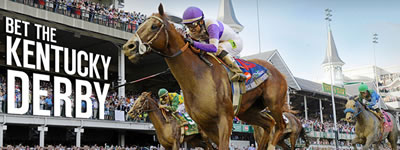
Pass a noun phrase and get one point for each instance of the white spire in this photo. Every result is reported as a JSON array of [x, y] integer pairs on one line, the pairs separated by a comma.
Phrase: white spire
[[332, 55], [332, 64], [226, 14]]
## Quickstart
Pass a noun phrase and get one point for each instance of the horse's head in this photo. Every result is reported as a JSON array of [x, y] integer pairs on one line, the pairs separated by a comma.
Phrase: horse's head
[[152, 35], [352, 108], [141, 105]]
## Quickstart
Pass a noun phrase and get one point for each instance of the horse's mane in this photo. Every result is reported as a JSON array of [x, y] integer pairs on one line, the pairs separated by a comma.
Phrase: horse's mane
[[151, 99], [165, 17], [355, 98]]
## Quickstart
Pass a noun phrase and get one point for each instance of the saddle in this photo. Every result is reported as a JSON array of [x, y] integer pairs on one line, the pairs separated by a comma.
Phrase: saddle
[[378, 115], [255, 73]]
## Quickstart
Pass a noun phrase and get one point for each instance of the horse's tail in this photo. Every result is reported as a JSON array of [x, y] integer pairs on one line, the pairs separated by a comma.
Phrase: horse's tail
[[286, 107], [303, 135]]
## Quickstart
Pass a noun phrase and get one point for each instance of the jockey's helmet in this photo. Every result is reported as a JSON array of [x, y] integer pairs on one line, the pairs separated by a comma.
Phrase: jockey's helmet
[[363, 87], [162, 92], [192, 14]]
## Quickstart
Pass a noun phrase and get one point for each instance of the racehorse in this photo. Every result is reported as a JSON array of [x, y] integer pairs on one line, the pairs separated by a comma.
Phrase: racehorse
[[294, 129], [168, 131], [207, 90], [368, 127]]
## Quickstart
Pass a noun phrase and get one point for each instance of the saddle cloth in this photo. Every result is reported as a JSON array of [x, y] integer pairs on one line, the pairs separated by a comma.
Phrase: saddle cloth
[[256, 74], [388, 124], [191, 128]]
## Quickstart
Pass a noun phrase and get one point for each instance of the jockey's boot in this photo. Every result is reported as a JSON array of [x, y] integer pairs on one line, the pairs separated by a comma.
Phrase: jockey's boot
[[382, 118], [182, 121], [233, 66]]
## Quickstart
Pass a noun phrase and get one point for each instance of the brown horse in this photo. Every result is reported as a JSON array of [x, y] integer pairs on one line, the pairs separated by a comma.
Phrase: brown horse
[[295, 131], [207, 90], [368, 127], [168, 132]]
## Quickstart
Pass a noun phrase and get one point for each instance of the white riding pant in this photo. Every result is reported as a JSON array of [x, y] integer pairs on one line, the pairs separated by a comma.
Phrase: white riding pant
[[181, 108], [233, 46]]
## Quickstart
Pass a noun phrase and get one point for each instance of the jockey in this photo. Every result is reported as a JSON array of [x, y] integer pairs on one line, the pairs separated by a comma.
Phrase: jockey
[[218, 38], [371, 97], [171, 101]]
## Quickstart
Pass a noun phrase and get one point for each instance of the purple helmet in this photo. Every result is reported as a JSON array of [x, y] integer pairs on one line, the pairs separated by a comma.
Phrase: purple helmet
[[192, 14]]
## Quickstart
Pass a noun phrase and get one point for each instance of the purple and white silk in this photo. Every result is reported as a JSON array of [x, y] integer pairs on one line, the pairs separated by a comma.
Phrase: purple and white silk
[[214, 32]]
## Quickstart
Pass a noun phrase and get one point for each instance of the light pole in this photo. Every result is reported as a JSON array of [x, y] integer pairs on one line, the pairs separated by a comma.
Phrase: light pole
[[258, 26], [375, 41], [328, 20]]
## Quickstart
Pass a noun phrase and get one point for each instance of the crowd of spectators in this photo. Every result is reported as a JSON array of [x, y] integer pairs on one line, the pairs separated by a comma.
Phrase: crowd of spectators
[[93, 12], [387, 88], [327, 126], [387, 79], [322, 144]]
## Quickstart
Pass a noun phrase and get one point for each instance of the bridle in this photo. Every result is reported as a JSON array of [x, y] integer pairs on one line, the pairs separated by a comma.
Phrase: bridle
[[142, 109], [145, 47], [355, 114]]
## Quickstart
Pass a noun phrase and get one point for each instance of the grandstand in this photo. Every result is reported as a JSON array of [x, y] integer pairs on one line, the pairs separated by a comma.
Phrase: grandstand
[[99, 37], [93, 38]]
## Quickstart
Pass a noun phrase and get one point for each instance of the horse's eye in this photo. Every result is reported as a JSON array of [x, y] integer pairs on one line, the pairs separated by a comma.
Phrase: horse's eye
[[154, 27]]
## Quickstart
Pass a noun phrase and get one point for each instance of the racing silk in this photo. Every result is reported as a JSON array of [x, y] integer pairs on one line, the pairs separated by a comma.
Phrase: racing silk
[[175, 99], [373, 100], [217, 32]]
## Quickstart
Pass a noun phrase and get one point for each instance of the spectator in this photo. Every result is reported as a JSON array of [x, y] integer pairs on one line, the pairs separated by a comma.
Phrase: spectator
[[251, 147], [95, 107], [49, 104], [1, 101]]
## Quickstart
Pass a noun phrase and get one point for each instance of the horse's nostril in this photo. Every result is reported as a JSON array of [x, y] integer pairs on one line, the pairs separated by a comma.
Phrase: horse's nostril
[[131, 46]]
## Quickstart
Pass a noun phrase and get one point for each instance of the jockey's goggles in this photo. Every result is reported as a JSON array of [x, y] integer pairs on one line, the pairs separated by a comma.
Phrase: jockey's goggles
[[163, 97], [193, 25]]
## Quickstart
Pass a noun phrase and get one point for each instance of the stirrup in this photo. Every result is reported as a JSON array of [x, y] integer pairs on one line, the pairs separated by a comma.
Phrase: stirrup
[[184, 124], [240, 77]]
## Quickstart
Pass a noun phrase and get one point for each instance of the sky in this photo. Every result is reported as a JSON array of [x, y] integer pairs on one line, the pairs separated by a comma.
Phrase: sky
[[297, 29]]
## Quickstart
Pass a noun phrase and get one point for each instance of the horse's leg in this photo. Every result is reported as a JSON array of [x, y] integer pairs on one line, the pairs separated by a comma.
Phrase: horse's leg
[[205, 139], [356, 141], [255, 117], [376, 146], [303, 135], [266, 137], [258, 137], [368, 143], [176, 145], [224, 131], [354, 146], [392, 137], [293, 140], [258, 131], [274, 97], [168, 148], [276, 113], [282, 144]]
